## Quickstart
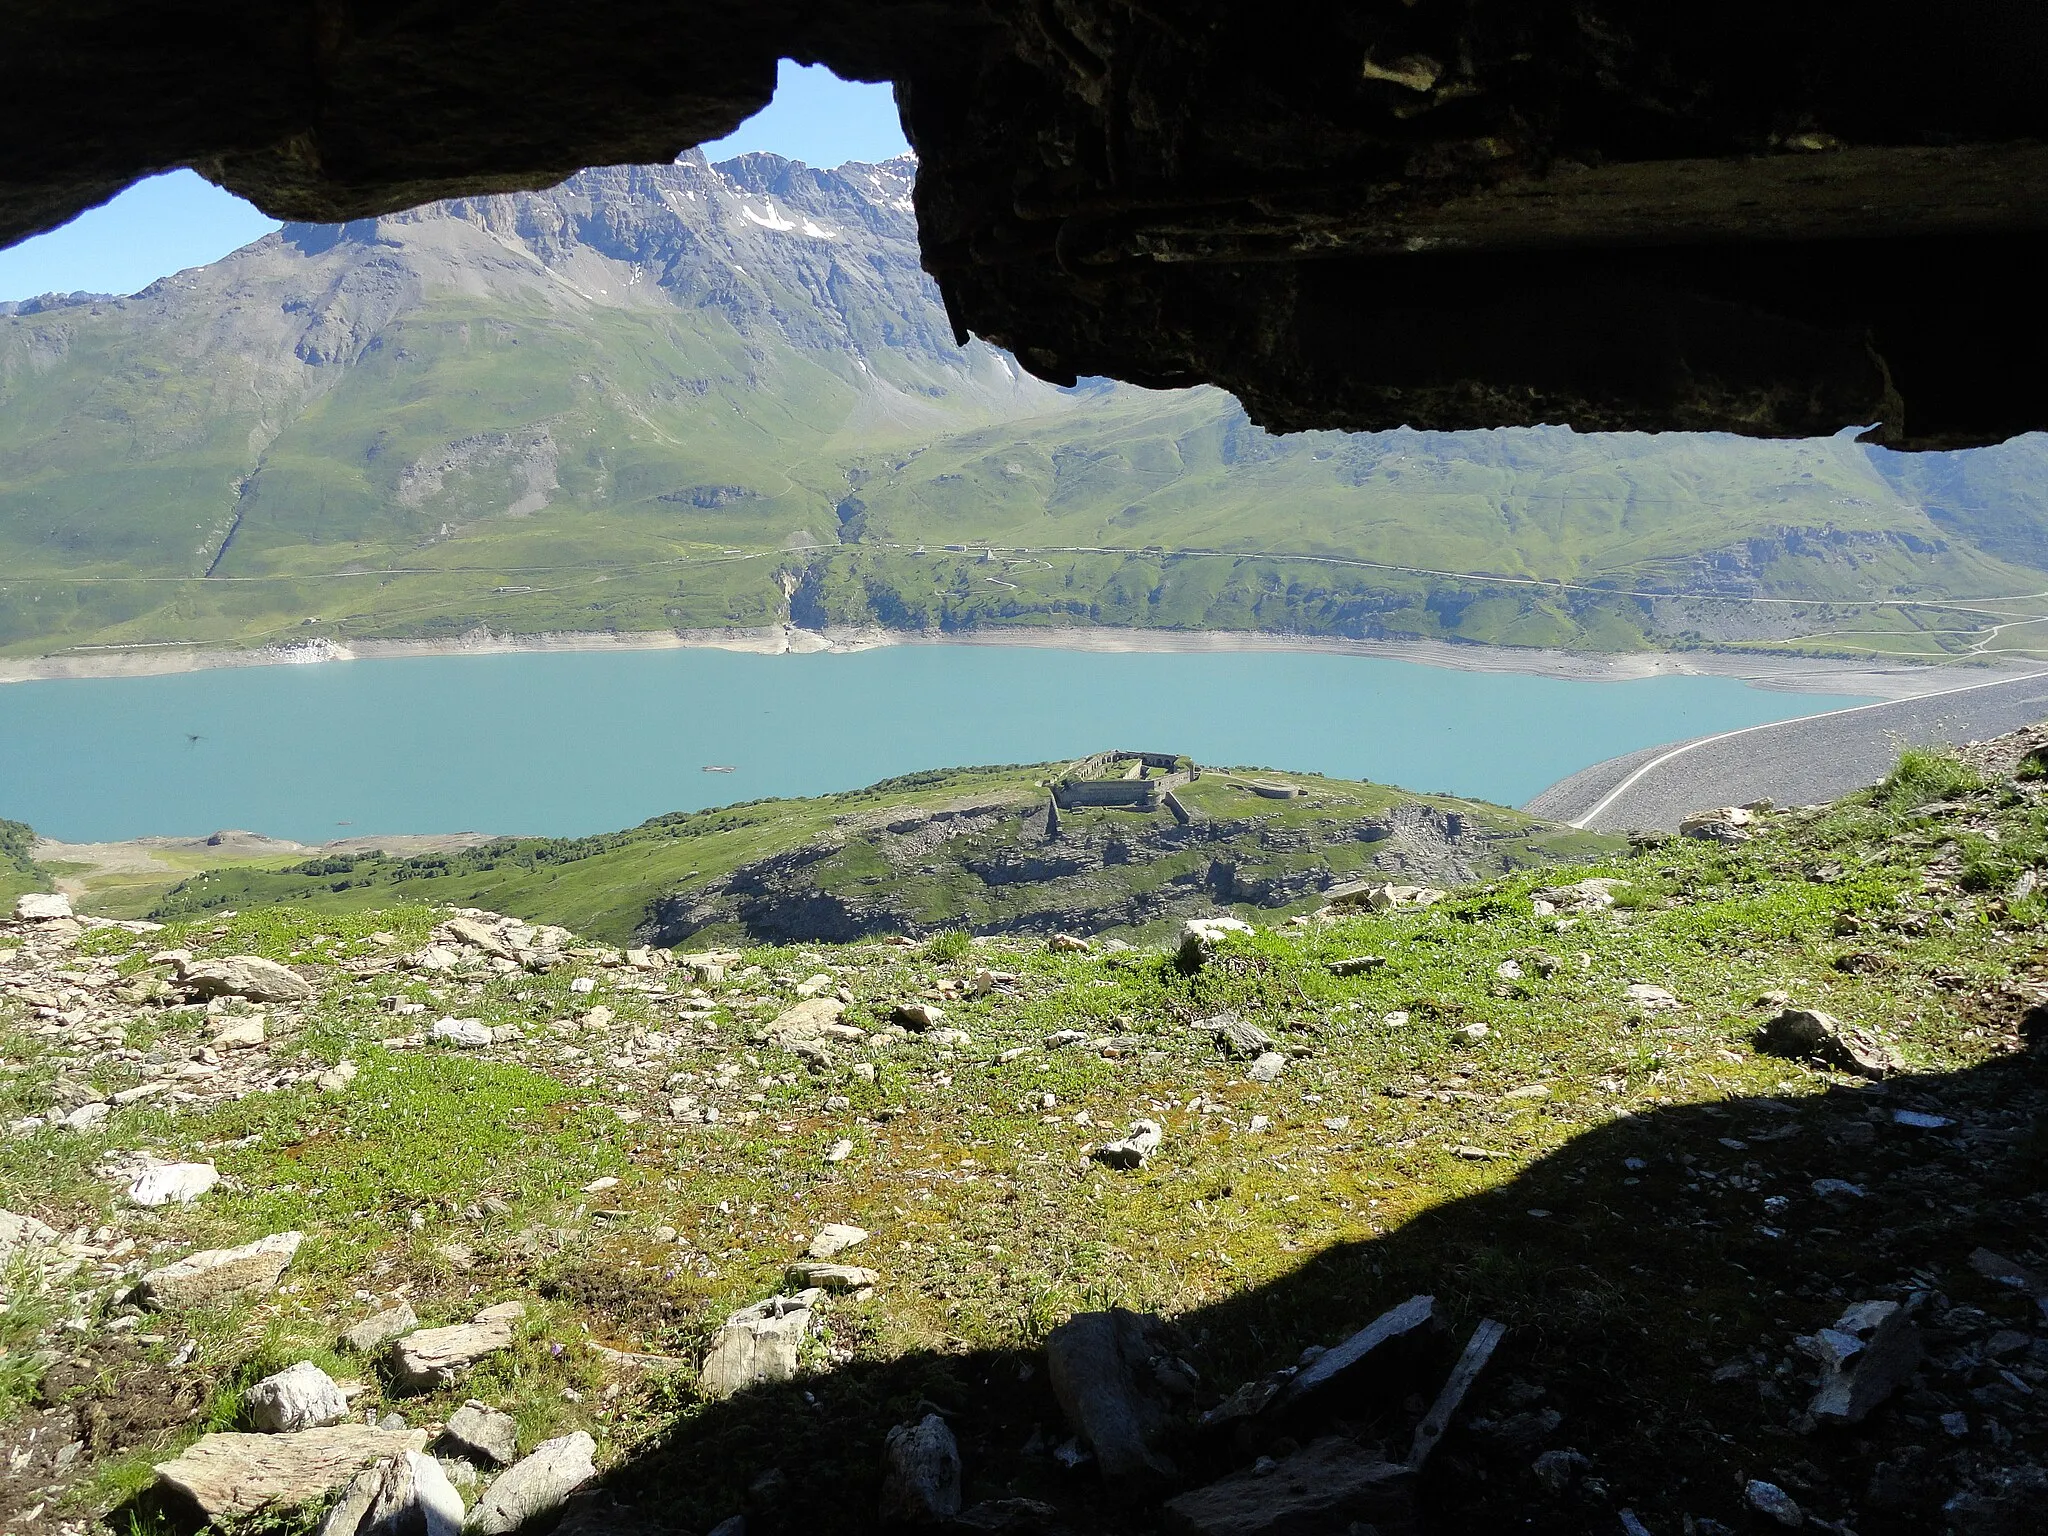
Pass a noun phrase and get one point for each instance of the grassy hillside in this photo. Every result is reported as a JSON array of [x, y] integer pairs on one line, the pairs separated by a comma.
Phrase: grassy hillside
[[18, 870], [1560, 1121], [956, 848]]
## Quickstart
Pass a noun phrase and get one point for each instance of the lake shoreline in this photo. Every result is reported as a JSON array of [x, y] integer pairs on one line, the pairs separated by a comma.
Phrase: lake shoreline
[[1797, 674]]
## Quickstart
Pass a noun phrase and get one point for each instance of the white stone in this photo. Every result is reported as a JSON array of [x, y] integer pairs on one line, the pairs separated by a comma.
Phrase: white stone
[[41, 906], [249, 976], [1773, 1502], [299, 1397], [1267, 1068], [18, 1231], [435, 1357], [536, 1486], [1199, 937], [469, 1034], [835, 1238], [237, 1474], [921, 1473], [167, 1183], [214, 1273], [755, 1344]]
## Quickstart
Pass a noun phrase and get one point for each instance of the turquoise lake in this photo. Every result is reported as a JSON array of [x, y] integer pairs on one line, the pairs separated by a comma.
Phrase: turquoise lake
[[568, 743]]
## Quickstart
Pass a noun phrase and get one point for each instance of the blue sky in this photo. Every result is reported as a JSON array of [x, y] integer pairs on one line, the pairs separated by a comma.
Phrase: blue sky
[[179, 220]]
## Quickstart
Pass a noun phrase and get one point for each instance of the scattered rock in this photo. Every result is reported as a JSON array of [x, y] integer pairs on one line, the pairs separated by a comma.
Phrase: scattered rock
[[337, 1077], [249, 976], [917, 1015], [1807, 1034], [832, 1277], [1587, 896], [839, 1151], [1478, 1350], [301, 1396], [380, 1328], [467, 1034], [920, 1473], [1102, 1368], [1357, 965], [1773, 1503], [238, 1034], [1200, 936], [1135, 1149], [435, 1357], [483, 1434], [1383, 1360], [1236, 1036], [2003, 1271], [1651, 998], [215, 1274], [756, 1344], [167, 1183], [18, 1232], [237, 1474], [535, 1487], [835, 1238], [1267, 1068], [1561, 1470], [413, 1498], [1867, 1355], [41, 906], [806, 1023], [1723, 824], [1328, 1485]]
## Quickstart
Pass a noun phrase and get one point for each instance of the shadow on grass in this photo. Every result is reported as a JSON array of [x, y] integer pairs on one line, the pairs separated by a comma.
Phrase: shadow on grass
[[1654, 1274]]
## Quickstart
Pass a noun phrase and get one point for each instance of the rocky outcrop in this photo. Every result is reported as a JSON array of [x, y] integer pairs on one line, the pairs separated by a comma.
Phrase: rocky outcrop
[[1009, 879]]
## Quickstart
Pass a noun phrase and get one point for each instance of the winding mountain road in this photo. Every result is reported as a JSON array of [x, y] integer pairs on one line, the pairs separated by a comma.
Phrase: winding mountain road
[[1793, 762]]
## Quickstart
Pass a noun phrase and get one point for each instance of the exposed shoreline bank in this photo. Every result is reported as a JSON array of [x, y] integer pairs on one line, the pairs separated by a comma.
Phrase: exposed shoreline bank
[[1792, 674]]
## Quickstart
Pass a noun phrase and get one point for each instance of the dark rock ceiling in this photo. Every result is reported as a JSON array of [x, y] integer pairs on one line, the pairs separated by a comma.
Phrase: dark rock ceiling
[[1770, 218]]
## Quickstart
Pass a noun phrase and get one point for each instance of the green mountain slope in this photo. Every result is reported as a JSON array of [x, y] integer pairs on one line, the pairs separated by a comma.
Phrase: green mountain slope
[[957, 848], [694, 396]]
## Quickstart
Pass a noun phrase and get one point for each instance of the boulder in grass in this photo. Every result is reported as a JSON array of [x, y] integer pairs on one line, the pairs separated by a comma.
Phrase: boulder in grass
[[249, 976], [41, 906], [1134, 1150], [920, 1473], [436, 1357], [1808, 1034], [536, 1487], [223, 1475], [1331, 1484], [1199, 937], [380, 1328], [1104, 1371], [172, 1183], [219, 1274], [483, 1434], [756, 1344], [18, 1231], [408, 1495], [298, 1397]]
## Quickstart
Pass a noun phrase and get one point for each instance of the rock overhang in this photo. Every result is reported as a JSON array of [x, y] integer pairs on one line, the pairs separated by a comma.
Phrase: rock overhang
[[1773, 219]]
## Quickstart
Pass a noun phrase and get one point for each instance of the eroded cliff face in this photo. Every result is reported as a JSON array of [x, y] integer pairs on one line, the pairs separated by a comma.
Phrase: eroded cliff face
[[994, 868], [1776, 219]]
